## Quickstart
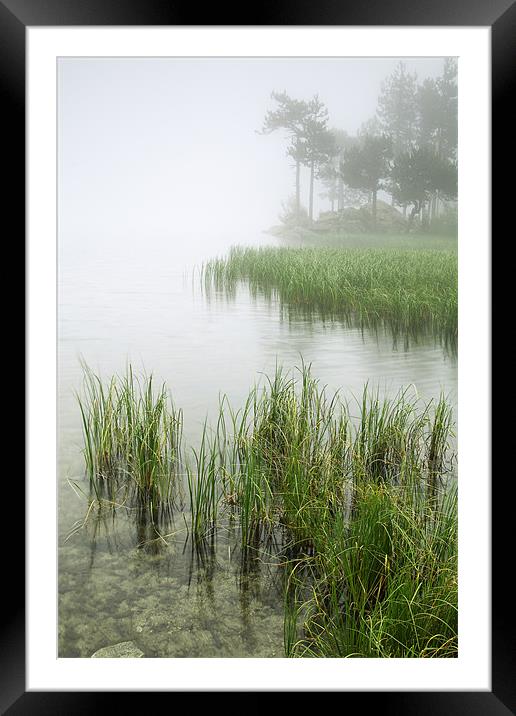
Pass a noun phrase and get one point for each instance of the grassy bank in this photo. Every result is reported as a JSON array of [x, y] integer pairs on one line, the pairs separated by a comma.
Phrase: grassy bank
[[407, 290], [313, 239], [353, 491]]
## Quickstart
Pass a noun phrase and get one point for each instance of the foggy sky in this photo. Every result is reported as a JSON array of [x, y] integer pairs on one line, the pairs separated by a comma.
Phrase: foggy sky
[[155, 148]]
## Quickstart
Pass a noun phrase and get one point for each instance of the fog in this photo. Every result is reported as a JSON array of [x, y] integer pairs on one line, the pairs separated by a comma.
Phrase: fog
[[154, 150]]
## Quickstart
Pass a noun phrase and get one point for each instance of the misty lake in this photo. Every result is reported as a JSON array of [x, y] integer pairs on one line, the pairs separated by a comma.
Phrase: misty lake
[[146, 305]]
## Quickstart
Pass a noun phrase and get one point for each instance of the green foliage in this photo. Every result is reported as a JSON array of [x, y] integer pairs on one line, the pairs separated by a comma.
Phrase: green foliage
[[420, 173], [320, 142], [288, 115], [437, 112], [397, 108], [366, 164]]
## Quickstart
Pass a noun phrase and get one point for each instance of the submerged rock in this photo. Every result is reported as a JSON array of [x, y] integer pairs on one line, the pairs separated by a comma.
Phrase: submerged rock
[[123, 650]]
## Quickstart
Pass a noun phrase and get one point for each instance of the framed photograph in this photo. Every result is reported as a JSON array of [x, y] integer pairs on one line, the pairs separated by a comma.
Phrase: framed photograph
[[258, 364]]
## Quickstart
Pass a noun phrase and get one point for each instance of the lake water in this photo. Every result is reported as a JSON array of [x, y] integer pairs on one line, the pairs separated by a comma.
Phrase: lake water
[[143, 303]]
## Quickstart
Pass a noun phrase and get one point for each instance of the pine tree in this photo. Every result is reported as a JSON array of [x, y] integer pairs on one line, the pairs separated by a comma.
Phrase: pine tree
[[366, 166], [289, 115], [397, 109], [319, 144], [418, 174]]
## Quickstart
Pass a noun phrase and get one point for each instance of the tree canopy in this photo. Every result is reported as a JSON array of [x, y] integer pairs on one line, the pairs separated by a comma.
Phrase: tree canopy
[[366, 166], [407, 149]]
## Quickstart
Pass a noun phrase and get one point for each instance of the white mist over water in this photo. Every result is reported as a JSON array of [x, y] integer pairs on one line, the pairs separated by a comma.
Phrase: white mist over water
[[167, 150], [161, 167]]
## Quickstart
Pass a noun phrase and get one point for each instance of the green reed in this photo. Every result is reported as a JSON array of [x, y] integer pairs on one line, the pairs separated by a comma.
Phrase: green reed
[[361, 493], [132, 437], [293, 454], [203, 486], [383, 583], [406, 289], [376, 568]]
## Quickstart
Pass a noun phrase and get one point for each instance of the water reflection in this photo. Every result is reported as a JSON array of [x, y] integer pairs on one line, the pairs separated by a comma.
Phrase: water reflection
[[211, 591], [401, 335], [127, 573]]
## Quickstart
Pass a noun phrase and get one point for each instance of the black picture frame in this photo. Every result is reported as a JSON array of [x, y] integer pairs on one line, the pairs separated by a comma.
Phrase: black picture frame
[[15, 17]]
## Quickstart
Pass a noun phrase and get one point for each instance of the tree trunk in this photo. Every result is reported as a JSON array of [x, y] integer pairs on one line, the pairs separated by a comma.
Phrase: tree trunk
[[332, 205], [374, 209], [425, 209], [340, 205], [298, 188], [415, 210], [311, 199]]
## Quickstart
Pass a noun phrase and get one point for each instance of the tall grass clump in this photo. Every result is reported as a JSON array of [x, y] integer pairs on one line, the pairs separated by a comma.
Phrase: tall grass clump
[[383, 583], [203, 487], [295, 456], [358, 498], [132, 437], [278, 458], [408, 290], [368, 515]]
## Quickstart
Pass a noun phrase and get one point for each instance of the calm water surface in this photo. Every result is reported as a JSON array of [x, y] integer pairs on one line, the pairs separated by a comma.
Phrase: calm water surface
[[145, 305]]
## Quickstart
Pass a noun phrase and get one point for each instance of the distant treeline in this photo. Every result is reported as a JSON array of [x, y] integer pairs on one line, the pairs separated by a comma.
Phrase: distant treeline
[[407, 149]]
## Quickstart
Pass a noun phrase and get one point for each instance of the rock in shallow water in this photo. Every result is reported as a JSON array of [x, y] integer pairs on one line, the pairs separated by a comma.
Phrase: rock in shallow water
[[123, 650]]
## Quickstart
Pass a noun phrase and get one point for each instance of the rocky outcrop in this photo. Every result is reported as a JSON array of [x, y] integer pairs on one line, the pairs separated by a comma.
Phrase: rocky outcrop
[[349, 221], [357, 221]]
